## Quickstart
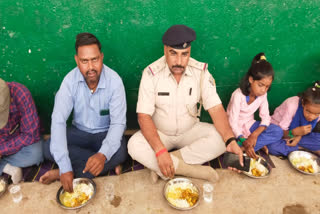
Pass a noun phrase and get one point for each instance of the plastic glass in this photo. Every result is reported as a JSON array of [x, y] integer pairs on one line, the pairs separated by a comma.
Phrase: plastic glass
[[109, 188], [15, 191], [207, 192]]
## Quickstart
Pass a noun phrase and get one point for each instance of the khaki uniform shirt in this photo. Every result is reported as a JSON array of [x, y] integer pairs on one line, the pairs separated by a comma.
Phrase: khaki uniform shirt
[[173, 106]]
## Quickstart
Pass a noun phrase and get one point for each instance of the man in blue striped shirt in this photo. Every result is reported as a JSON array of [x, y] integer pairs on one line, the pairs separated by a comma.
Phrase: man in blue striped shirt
[[94, 143]]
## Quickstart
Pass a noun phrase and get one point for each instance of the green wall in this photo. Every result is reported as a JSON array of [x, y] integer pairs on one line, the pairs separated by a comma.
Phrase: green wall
[[37, 41]]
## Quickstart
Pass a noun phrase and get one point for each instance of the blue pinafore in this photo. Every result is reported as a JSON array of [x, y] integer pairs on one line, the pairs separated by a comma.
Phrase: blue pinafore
[[310, 141]]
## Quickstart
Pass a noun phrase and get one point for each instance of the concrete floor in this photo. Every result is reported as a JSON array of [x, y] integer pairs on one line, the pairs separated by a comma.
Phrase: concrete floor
[[234, 193]]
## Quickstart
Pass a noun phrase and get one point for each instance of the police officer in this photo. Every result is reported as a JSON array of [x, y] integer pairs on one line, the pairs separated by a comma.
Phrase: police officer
[[169, 91]]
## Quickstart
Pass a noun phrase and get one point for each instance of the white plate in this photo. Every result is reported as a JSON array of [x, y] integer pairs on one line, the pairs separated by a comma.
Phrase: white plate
[[308, 155], [263, 163], [77, 181], [183, 181]]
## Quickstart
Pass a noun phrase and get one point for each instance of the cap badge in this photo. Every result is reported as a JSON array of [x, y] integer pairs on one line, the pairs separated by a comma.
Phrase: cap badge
[[184, 45]]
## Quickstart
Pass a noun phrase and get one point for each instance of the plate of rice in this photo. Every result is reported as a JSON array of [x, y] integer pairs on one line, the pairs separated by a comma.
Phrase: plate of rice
[[84, 190], [259, 168], [305, 162], [181, 194]]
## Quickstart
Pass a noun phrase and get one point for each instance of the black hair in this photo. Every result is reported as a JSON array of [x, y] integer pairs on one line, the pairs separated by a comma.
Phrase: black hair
[[259, 69], [86, 39], [312, 94]]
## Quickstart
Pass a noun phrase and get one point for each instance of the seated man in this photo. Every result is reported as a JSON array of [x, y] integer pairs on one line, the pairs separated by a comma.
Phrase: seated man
[[94, 144], [169, 91], [20, 144]]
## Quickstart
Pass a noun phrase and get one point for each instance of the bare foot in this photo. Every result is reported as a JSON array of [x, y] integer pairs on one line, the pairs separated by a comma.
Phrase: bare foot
[[118, 169], [50, 176]]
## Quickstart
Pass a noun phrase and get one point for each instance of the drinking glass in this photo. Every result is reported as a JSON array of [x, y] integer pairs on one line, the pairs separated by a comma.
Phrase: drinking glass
[[15, 191], [109, 188], [207, 192]]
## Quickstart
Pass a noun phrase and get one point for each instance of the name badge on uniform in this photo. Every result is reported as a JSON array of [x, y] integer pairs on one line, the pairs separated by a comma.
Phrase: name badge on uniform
[[104, 112], [163, 93]]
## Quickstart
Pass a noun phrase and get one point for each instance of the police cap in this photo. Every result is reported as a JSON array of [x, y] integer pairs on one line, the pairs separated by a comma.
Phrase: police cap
[[179, 36]]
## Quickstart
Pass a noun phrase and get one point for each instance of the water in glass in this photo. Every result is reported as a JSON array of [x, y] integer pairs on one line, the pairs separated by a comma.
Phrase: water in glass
[[207, 192]]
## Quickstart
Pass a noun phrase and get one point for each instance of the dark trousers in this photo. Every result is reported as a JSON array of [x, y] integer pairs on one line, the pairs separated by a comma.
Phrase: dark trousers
[[82, 145]]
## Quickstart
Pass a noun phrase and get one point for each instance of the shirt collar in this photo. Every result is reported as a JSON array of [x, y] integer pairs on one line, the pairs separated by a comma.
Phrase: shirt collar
[[187, 72], [167, 70], [78, 76], [102, 80]]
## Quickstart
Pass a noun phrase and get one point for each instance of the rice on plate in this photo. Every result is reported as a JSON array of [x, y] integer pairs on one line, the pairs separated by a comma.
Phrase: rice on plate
[[181, 193]]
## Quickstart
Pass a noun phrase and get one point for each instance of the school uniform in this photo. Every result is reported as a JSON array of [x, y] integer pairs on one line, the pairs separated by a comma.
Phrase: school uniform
[[288, 116], [242, 122]]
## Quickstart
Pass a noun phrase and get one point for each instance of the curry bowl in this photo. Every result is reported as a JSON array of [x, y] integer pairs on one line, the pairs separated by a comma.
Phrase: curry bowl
[[181, 194], [305, 162], [84, 190], [259, 168]]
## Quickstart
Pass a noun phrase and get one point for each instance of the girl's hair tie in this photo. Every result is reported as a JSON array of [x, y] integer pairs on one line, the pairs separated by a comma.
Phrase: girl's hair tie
[[263, 57], [316, 85]]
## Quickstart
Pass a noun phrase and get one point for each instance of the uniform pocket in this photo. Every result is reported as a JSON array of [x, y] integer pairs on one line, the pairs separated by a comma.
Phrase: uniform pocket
[[191, 100]]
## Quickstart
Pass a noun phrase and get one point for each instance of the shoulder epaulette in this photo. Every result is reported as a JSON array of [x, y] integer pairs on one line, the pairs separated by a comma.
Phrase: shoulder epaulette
[[157, 66], [196, 64]]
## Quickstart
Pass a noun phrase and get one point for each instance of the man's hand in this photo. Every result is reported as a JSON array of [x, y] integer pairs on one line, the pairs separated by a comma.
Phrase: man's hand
[[302, 130], [234, 148], [95, 164], [149, 131], [66, 180], [166, 165], [294, 141]]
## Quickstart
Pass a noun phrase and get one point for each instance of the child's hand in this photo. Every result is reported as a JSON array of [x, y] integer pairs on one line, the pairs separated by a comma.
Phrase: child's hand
[[252, 140], [293, 141], [302, 130], [249, 149]]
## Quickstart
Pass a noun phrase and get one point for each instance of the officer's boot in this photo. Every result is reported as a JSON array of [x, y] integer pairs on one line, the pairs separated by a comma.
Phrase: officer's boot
[[193, 170]]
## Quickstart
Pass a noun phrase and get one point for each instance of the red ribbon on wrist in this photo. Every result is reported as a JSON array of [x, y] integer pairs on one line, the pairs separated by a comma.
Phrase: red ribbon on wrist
[[161, 151]]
